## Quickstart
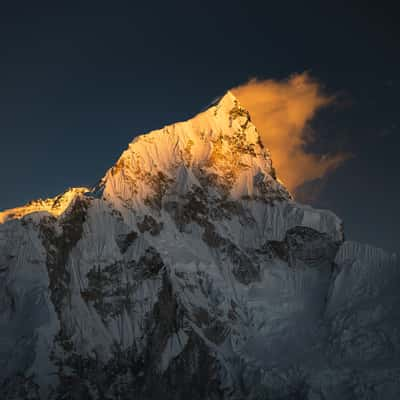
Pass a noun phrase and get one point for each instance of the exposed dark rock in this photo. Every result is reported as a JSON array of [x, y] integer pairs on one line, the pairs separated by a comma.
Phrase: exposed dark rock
[[150, 263], [199, 373], [306, 246], [268, 192], [216, 332], [192, 375], [244, 268], [279, 249], [106, 290], [212, 237], [314, 248], [187, 153], [149, 224], [193, 207], [59, 246], [124, 241], [165, 318], [160, 183]]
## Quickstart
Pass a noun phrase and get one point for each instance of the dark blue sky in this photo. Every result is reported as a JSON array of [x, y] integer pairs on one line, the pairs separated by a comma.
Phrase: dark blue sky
[[78, 82]]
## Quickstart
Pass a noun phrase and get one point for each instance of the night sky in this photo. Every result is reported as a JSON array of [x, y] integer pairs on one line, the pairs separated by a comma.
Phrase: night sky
[[79, 81]]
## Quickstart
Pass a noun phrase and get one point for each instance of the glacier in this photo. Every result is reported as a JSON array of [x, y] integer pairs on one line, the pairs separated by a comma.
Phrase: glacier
[[189, 271]]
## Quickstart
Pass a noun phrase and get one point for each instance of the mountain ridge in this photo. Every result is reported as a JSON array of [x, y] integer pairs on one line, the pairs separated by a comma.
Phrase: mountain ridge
[[190, 271], [243, 134]]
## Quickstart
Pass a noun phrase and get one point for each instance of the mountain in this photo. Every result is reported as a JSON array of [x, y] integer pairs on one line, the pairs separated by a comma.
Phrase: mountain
[[189, 272]]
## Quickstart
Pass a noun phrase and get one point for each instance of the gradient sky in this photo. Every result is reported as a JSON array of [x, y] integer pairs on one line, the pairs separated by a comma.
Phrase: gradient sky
[[78, 81]]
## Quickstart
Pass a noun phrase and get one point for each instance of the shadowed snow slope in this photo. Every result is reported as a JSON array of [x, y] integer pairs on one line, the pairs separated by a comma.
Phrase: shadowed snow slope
[[190, 272]]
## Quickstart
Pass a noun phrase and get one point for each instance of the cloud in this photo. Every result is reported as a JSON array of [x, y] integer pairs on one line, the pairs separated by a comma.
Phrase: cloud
[[282, 111]]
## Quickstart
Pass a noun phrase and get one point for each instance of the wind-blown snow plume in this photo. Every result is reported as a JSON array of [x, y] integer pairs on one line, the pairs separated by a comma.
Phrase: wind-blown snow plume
[[281, 110]]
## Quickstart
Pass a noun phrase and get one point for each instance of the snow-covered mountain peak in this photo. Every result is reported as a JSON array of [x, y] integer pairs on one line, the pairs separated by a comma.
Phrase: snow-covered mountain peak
[[219, 150], [54, 206], [189, 272]]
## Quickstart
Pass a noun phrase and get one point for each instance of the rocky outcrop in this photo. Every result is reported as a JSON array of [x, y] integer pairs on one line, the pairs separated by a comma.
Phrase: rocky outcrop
[[306, 246]]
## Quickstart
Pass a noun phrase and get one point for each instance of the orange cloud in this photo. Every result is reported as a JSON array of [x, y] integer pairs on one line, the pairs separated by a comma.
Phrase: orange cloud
[[281, 111]]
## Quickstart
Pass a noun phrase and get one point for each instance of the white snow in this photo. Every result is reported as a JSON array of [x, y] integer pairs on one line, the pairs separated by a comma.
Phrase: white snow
[[333, 326]]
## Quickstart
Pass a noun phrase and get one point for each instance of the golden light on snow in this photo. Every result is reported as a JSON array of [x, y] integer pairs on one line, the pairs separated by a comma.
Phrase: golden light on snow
[[54, 206], [281, 110]]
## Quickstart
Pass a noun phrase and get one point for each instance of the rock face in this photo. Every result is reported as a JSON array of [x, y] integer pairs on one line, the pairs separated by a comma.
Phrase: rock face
[[189, 272]]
